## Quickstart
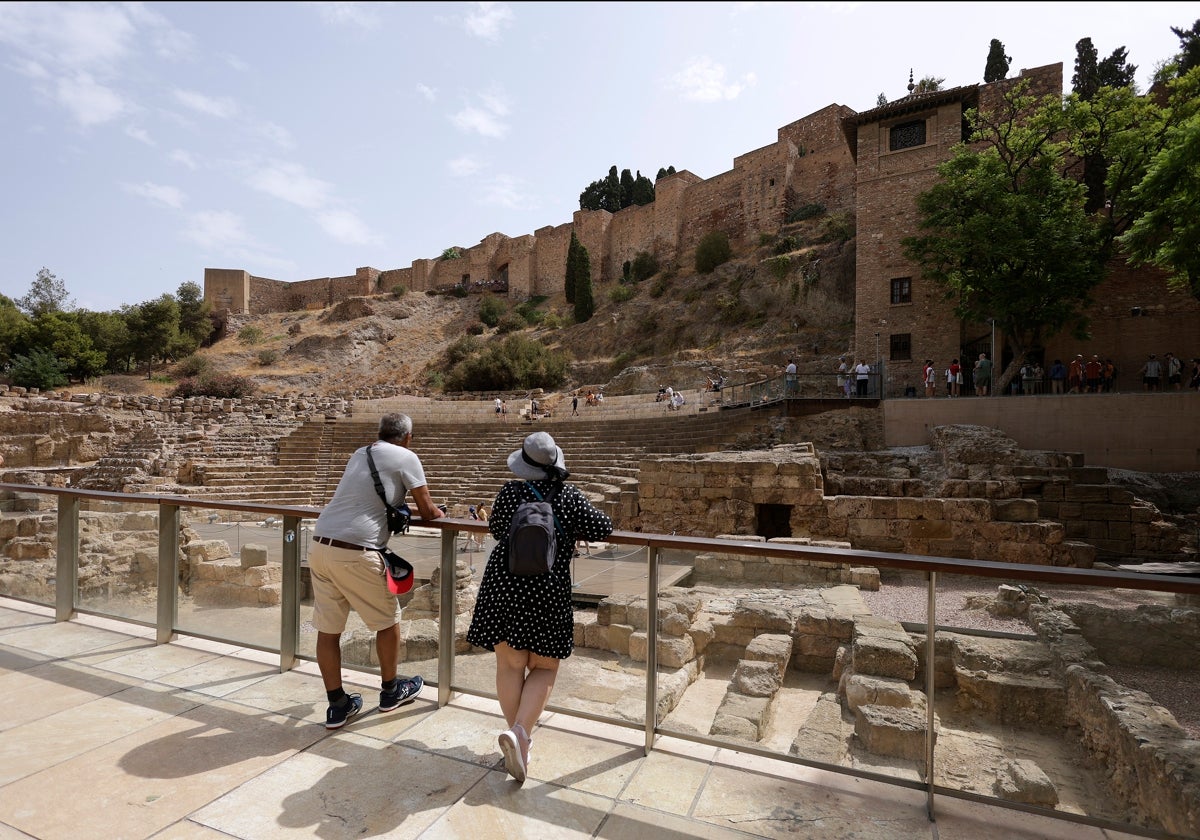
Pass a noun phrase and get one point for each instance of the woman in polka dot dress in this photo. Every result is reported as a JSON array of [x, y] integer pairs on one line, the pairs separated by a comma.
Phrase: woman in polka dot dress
[[528, 621]]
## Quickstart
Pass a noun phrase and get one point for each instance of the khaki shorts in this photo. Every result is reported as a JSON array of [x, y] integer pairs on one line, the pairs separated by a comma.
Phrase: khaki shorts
[[344, 580]]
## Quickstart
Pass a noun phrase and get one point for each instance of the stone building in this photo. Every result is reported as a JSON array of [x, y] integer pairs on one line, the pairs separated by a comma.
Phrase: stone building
[[870, 165]]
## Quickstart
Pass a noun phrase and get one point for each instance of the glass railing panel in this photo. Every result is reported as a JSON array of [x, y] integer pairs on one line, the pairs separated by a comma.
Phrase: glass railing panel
[[231, 577], [421, 618], [1128, 678], [29, 546], [118, 559], [605, 675], [769, 635]]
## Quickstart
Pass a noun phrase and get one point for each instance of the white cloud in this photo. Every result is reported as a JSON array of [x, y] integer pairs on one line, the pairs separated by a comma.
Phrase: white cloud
[[487, 20], [276, 134], [157, 194], [486, 120], [426, 91], [463, 166], [183, 158], [349, 14], [89, 102], [31, 69], [506, 191], [222, 107], [703, 80], [139, 134], [289, 182], [80, 36], [345, 226], [217, 229]]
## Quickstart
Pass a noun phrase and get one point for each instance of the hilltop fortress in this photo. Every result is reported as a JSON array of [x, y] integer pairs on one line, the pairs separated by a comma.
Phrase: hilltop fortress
[[868, 167]]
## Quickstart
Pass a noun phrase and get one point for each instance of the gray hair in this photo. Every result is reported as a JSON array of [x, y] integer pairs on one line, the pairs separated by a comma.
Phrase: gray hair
[[395, 426]]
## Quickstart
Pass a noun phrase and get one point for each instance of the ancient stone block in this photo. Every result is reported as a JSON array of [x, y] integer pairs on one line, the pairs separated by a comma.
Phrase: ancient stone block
[[1021, 780], [253, 554], [892, 731], [756, 678]]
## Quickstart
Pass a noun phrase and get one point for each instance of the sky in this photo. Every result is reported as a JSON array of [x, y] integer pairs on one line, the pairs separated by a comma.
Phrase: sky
[[144, 142]]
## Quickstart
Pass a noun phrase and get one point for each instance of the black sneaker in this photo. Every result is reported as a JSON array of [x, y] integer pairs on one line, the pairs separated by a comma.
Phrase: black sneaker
[[400, 694], [339, 713]]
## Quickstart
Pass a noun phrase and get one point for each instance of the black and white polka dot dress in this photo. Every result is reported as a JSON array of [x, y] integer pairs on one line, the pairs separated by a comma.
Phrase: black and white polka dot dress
[[533, 612]]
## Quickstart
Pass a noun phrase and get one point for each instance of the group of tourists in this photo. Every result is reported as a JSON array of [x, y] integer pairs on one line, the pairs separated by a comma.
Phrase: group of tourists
[[1080, 375]]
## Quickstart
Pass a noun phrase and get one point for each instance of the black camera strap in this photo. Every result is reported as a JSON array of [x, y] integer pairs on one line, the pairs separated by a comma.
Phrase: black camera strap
[[379, 484]]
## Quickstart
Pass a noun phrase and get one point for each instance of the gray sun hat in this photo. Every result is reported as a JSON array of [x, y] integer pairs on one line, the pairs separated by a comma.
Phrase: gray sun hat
[[538, 452]]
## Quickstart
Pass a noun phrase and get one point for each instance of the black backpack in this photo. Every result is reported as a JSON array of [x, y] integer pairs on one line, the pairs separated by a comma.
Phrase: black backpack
[[533, 535]]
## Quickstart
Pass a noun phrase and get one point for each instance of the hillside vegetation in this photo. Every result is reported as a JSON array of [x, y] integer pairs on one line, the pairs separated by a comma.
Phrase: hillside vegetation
[[791, 296]]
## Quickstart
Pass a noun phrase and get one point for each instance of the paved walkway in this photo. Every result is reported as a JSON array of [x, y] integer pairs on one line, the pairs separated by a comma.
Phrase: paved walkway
[[108, 735]]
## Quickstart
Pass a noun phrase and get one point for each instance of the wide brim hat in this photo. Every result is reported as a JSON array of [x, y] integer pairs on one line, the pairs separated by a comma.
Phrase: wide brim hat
[[536, 453]]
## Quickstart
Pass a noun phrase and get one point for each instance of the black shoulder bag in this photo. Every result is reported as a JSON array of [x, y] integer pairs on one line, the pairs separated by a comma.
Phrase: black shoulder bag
[[397, 517]]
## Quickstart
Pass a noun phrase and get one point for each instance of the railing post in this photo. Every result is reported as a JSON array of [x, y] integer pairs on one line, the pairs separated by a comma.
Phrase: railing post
[[168, 571], [67, 558], [446, 617], [930, 733], [651, 646], [289, 624]]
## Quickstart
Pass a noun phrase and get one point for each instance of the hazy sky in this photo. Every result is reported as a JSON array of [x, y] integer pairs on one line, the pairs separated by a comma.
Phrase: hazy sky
[[144, 142]]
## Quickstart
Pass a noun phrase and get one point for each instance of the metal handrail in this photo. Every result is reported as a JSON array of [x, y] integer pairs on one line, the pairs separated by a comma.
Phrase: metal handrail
[[169, 521]]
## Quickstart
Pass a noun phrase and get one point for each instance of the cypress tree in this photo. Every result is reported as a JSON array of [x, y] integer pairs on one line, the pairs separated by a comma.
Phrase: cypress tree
[[572, 270], [997, 62], [585, 306]]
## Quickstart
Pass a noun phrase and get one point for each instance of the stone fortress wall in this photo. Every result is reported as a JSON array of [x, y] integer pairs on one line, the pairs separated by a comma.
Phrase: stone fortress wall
[[810, 158], [836, 157]]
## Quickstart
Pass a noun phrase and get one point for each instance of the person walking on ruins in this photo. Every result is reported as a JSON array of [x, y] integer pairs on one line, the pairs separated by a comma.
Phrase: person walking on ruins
[[789, 374], [348, 570], [499, 409], [528, 620], [983, 375]]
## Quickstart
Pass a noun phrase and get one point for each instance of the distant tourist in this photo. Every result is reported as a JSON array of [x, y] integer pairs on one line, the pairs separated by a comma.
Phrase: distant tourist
[[983, 375], [1058, 376], [1152, 374]]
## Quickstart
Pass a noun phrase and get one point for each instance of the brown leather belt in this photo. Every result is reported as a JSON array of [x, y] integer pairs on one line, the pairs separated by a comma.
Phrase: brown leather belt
[[341, 544]]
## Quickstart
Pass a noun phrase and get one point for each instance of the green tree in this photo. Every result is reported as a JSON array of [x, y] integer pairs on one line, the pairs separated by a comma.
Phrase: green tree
[[1165, 231], [490, 310], [997, 62], [585, 305], [663, 173], [13, 327], [612, 191], [1086, 82], [881, 100], [195, 320], [1004, 231], [38, 369], [592, 198], [46, 294], [643, 190], [930, 84], [712, 251], [626, 188], [109, 334], [154, 328], [59, 333], [1189, 48], [571, 277], [1092, 74]]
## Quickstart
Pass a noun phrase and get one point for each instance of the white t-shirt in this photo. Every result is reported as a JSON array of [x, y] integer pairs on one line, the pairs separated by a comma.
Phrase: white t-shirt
[[356, 513], [863, 370]]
